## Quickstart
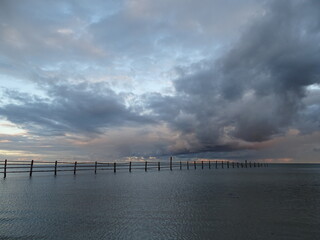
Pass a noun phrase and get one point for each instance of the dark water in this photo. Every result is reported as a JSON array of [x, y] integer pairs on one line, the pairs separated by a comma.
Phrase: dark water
[[279, 202]]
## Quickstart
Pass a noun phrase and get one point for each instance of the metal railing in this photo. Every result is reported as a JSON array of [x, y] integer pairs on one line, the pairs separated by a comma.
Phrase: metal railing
[[31, 167]]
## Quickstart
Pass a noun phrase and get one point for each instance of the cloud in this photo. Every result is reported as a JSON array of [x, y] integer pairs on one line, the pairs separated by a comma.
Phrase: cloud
[[238, 76], [70, 108], [257, 89]]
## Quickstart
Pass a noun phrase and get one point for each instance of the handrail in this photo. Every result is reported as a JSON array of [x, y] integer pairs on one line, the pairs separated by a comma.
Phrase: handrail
[[21, 166]]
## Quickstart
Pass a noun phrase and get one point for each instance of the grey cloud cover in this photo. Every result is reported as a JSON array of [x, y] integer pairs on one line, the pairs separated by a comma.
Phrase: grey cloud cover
[[82, 108], [256, 90], [239, 75]]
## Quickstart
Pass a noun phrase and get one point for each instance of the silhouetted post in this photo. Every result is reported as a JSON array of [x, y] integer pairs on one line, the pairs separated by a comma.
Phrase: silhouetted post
[[222, 164], [195, 165], [129, 166], [5, 169], [241, 165], [180, 165], [216, 164], [250, 164], [95, 167], [232, 164], [114, 167], [201, 164], [187, 165], [171, 163], [228, 164], [55, 167], [31, 167], [254, 164], [246, 164], [209, 164], [237, 164], [158, 166], [75, 168]]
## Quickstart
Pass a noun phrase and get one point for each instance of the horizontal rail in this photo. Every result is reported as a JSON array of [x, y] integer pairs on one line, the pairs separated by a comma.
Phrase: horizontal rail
[[56, 166]]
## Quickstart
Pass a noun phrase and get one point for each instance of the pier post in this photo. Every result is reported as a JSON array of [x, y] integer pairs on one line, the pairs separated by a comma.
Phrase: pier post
[[250, 164], [55, 167], [130, 166], [228, 164], [180, 165], [5, 169], [195, 165], [187, 165], [171, 163], [241, 165], [222, 164], [246, 164], [209, 164], [114, 167], [232, 164], [201, 164], [216, 164], [237, 164], [146, 166], [158, 166], [95, 167], [75, 168], [31, 167]]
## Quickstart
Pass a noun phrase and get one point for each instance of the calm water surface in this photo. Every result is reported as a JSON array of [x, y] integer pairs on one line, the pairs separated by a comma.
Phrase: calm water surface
[[279, 202]]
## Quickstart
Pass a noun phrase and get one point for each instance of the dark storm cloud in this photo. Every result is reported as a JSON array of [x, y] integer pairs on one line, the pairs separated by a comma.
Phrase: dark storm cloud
[[255, 91], [232, 93], [81, 108]]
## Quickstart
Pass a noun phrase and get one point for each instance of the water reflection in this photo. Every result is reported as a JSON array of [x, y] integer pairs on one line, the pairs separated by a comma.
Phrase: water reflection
[[277, 203]]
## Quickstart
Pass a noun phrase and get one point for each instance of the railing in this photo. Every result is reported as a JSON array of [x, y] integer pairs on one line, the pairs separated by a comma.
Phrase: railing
[[30, 167]]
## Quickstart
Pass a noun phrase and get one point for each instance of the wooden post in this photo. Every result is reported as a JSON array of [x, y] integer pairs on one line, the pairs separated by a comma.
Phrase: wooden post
[[246, 164], [180, 165], [114, 167], [216, 164], [75, 168], [95, 167], [187, 165], [195, 165], [222, 164], [232, 164], [228, 164], [237, 164], [241, 165], [209, 164], [146, 166], [5, 169], [254, 164], [158, 166], [250, 164], [130, 165], [31, 167], [55, 167], [171, 163], [201, 164]]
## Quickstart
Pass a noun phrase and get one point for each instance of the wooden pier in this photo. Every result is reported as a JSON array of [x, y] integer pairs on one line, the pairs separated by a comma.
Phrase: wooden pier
[[30, 167]]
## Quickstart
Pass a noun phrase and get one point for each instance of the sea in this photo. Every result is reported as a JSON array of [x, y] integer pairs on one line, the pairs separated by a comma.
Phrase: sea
[[281, 201]]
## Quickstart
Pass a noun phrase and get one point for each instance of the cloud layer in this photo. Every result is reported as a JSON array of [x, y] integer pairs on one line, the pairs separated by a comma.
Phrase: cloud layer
[[219, 79]]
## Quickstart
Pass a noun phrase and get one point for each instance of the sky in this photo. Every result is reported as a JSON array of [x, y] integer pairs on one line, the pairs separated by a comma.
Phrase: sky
[[106, 80]]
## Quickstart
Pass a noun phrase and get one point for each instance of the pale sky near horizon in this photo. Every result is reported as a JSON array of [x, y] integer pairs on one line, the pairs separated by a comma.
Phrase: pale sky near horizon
[[105, 80]]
